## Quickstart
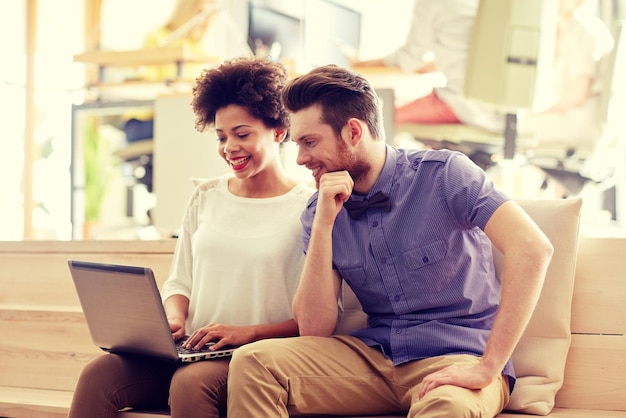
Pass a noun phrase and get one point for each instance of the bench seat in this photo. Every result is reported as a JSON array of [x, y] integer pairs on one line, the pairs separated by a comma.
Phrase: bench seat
[[41, 403], [48, 342]]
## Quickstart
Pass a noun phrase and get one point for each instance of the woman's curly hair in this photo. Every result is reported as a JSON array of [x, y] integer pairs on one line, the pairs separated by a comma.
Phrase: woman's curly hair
[[253, 83]]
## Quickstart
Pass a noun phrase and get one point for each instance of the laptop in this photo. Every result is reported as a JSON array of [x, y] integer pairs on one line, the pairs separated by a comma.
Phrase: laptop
[[125, 314]]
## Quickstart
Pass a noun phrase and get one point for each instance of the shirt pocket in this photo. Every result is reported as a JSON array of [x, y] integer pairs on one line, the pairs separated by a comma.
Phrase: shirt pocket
[[427, 267]]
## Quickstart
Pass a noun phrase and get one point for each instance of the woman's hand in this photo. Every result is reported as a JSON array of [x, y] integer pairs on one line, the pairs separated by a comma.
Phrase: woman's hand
[[221, 335], [176, 308], [177, 326]]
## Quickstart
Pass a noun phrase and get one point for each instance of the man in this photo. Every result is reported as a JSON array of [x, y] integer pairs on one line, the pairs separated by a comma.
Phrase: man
[[440, 329]]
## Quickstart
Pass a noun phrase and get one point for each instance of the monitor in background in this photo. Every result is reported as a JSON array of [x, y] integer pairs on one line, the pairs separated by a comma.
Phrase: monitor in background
[[332, 33], [509, 63], [274, 34], [510, 58]]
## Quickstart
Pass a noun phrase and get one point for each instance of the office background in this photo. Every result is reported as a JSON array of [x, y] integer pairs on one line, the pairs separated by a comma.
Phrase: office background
[[40, 82]]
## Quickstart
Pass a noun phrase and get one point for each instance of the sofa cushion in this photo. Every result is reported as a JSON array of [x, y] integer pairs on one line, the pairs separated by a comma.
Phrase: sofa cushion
[[540, 356]]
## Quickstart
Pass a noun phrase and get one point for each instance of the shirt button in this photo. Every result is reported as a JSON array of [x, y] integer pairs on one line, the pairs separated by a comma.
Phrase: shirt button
[[396, 298], [375, 224], [383, 260], [398, 331], [425, 259]]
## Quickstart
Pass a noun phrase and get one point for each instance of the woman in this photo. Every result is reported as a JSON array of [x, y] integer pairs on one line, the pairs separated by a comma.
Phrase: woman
[[438, 41], [238, 256], [572, 101]]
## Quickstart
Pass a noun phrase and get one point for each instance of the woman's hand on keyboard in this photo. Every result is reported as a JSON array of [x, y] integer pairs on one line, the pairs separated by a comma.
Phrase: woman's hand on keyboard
[[222, 335]]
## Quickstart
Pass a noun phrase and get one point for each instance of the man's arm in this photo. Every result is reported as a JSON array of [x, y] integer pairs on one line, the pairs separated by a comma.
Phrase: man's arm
[[527, 254], [573, 93], [377, 63], [315, 302]]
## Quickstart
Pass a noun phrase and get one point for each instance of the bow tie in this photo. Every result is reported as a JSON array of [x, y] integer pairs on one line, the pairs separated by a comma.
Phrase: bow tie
[[357, 208]]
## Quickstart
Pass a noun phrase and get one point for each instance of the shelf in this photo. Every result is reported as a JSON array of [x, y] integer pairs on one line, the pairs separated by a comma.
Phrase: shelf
[[134, 89], [136, 57], [139, 88], [135, 150]]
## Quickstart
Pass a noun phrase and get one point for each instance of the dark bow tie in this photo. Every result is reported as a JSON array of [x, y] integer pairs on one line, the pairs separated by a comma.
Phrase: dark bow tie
[[356, 208]]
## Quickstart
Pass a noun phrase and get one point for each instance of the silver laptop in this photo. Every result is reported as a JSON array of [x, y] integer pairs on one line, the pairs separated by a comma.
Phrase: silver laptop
[[125, 314]]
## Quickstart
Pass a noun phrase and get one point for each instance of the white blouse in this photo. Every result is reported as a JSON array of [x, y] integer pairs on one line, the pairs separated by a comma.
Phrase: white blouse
[[238, 260]]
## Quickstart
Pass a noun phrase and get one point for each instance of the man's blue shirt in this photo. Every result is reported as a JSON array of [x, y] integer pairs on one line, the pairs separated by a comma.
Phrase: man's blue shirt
[[424, 270]]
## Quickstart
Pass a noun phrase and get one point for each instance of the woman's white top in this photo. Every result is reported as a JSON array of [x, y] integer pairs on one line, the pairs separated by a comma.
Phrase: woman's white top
[[238, 260]]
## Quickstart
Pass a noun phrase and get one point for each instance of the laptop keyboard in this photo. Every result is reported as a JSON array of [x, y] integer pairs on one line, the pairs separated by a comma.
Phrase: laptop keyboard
[[183, 350]]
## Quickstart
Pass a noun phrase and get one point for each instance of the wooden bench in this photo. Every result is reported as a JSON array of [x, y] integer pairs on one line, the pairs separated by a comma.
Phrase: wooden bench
[[45, 342]]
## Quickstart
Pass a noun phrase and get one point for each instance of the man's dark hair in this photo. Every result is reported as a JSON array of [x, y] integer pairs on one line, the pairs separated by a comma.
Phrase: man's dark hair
[[341, 93]]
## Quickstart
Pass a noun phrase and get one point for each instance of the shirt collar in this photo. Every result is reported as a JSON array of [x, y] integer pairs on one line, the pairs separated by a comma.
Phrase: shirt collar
[[385, 179]]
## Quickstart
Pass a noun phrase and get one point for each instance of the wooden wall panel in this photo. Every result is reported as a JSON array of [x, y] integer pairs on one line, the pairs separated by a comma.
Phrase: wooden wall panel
[[599, 302]]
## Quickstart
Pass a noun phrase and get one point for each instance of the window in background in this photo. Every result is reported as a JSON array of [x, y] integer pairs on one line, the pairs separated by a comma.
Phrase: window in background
[[332, 33], [12, 70], [616, 9], [55, 76], [619, 9]]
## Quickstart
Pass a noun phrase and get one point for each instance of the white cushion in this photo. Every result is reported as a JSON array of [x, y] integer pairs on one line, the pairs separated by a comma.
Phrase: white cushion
[[540, 356]]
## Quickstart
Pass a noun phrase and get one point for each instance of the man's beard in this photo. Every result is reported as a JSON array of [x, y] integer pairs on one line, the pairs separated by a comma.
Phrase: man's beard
[[352, 163]]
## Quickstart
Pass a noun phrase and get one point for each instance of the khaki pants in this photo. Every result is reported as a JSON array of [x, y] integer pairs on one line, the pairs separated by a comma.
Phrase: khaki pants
[[342, 376]]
